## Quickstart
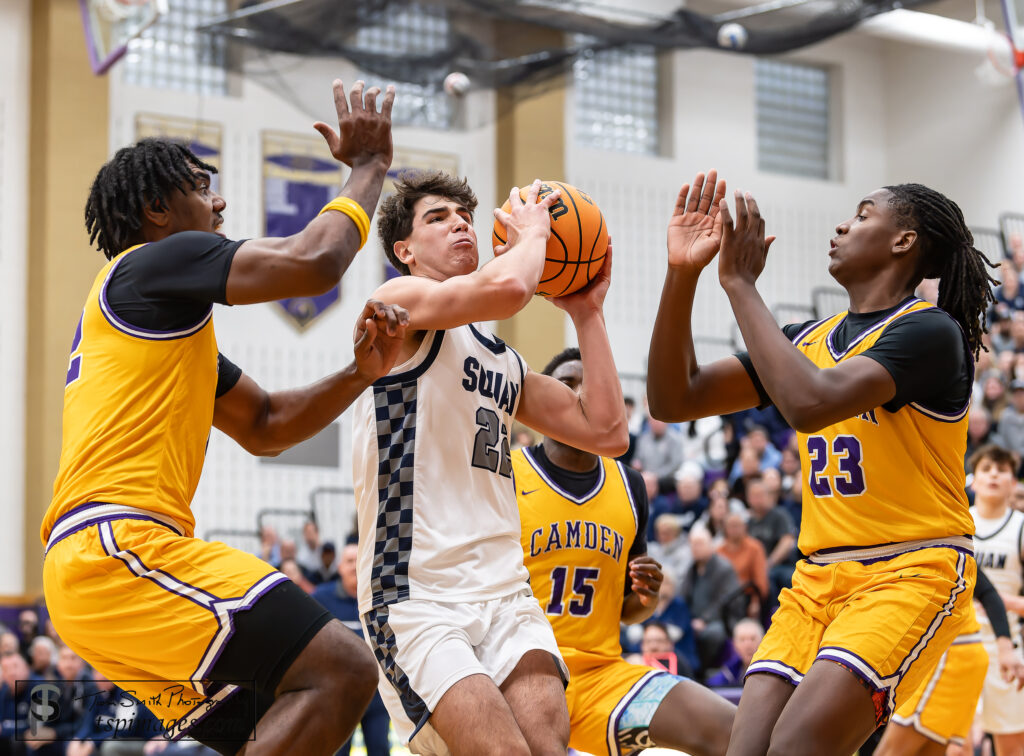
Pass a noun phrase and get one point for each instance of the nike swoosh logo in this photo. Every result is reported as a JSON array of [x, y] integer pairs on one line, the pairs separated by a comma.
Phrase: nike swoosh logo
[[809, 343], [527, 493]]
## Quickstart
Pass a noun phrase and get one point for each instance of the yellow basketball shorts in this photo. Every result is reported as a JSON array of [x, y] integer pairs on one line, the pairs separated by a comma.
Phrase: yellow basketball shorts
[[943, 708], [142, 603], [611, 702], [884, 613]]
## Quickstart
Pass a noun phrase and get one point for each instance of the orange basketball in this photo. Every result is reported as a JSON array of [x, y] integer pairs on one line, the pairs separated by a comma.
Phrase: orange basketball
[[578, 241]]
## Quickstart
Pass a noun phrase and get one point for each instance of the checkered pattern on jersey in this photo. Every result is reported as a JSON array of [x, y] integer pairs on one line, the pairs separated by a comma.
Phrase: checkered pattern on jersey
[[382, 641], [395, 407]]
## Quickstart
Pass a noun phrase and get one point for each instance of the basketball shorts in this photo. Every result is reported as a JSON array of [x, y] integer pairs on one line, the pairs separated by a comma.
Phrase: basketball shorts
[[943, 708], [1002, 705], [611, 703], [884, 613], [201, 630], [425, 647]]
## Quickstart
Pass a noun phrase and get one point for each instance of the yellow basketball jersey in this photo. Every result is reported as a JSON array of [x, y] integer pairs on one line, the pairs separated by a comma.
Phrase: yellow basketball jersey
[[577, 551], [880, 477], [138, 408]]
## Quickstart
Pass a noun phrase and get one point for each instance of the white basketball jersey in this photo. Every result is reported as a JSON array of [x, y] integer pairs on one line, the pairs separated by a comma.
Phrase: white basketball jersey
[[433, 478], [999, 549]]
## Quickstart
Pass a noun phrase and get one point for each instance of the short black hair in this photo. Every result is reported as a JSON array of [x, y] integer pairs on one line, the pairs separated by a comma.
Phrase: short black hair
[[566, 355], [996, 454], [137, 177]]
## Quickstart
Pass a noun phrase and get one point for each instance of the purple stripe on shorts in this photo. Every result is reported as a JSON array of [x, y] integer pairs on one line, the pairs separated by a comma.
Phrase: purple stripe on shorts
[[755, 669], [107, 518]]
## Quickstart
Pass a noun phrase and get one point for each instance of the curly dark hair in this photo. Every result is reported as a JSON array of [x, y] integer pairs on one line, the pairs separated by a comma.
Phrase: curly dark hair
[[949, 254], [394, 224], [137, 177]]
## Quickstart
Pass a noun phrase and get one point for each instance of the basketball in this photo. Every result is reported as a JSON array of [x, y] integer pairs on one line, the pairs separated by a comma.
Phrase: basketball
[[578, 241]]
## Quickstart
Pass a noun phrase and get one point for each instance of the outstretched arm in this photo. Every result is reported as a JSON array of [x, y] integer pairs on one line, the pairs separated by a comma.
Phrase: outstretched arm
[[593, 420], [266, 423], [809, 397], [313, 260], [678, 388]]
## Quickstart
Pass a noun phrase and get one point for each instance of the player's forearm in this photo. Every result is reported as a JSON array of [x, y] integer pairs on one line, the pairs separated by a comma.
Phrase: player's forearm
[[601, 401], [295, 415], [634, 612], [332, 238], [508, 282], [792, 381], [672, 362]]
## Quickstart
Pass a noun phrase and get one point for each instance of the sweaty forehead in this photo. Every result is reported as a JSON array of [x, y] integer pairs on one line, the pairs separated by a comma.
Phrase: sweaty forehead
[[879, 198], [434, 202]]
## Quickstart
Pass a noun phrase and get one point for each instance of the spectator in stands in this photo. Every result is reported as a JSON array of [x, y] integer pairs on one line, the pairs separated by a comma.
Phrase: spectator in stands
[[658, 652], [1017, 497], [792, 501], [13, 707], [308, 553], [522, 436], [766, 453], [789, 468], [670, 547], [1009, 297], [287, 550], [327, 566], [689, 501], [772, 526], [270, 546], [673, 615], [747, 557], [994, 395], [1017, 330], [114, 724], [634, 430], [747, 466], [9, 644], [746, 637], [999, 340], [659, 450], [77, 690], [292, 570], [703, 443], [43, 657], [1015, 250], [1011, 423], [339, 598], [980, 431], [28, 628], [712, 592]]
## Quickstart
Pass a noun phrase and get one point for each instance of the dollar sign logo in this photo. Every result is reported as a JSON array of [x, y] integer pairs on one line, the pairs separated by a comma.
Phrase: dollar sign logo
[[42, 708]]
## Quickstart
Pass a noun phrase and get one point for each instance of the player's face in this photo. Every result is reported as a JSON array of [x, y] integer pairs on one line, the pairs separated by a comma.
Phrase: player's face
[[197, 209], [443, 242], [864, 243], [570, 373], [992, 481]]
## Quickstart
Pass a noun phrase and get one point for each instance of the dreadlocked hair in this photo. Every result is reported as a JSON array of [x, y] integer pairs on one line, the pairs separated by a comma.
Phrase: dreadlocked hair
[[947, 253], [137, 177]]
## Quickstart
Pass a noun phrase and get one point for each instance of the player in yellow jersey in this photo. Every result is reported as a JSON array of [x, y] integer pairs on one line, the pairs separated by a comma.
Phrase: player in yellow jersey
[[940, 712], [878, 396], [583, 523], [211, 638]]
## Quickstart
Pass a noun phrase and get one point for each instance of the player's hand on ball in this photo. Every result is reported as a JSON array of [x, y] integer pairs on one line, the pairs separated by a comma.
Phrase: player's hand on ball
[[646, 576], [592, 295], [695, 230], [379, 333], [744, 246], [525, 217], [363, 135]]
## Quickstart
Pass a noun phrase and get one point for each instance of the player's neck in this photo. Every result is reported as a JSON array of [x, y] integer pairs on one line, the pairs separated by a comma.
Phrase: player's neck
[[874, 296], [991, 509], [568, 457]]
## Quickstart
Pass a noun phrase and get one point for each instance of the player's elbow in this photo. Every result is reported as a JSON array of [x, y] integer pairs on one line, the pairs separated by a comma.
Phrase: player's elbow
[[506, 296], [614, 442]]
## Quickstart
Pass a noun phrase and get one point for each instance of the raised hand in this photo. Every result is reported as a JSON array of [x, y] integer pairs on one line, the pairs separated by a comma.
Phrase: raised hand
[[695, 230], [744, 246], [592, 295], [531, 215], [363, 135], [379, 333], [646, 576]]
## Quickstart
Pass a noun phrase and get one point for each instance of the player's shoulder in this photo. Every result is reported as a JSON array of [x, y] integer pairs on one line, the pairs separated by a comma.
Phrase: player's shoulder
[[633, 477], [931, 323]]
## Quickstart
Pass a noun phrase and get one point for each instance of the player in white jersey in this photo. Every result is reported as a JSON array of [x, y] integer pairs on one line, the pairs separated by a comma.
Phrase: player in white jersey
[[470, 663], [999, 549]]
